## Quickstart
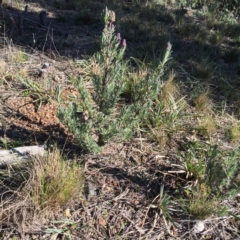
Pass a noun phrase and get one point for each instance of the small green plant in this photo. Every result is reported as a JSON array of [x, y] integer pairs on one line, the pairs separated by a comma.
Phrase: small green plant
[[222, 172], [39, 93], [193, 164], [163, 118], [106, 117], [216, 176], [165, 205]]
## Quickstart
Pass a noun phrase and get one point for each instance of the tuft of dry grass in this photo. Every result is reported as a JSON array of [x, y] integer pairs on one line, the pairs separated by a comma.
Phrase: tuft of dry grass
[[203, 103], [169, 89], [160, 135], [202, 70], [201, 207], [217, 37], [168, 108], [41, 185], [234, 132], [207, 125], [20, 57], [3, 65], [23, 73], [53, 181]]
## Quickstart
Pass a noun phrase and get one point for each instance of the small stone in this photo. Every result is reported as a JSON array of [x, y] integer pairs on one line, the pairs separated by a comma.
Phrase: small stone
[[199, 227], [43, 73], [46, 65], [67, 213]]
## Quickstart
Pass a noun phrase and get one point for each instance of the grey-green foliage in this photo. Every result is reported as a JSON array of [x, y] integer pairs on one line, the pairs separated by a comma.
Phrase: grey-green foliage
[[105, 117], [216, 169], [217, 178], [146, 89], [108, 85], [222, 172]]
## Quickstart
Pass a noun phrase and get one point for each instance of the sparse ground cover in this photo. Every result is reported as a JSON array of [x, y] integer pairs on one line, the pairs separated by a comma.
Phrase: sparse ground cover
[[138, 107]]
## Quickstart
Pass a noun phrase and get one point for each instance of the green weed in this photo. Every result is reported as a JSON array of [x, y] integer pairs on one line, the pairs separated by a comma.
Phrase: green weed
[[41, 94], [215, 175]]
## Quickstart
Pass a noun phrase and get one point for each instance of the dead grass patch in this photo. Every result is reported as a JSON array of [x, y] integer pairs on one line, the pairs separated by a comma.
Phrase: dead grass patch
[[37, 189]]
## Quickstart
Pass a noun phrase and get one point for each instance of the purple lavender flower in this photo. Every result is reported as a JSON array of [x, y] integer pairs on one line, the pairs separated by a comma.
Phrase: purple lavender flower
[[169, 46], [124, 43], [118, 37]]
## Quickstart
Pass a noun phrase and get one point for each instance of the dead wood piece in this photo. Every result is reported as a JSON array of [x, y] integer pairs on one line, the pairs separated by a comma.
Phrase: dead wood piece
[[43, 18], [43, 73], [26, 10], [11, 26], [19, 154], [46, 65], [20, 24]]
